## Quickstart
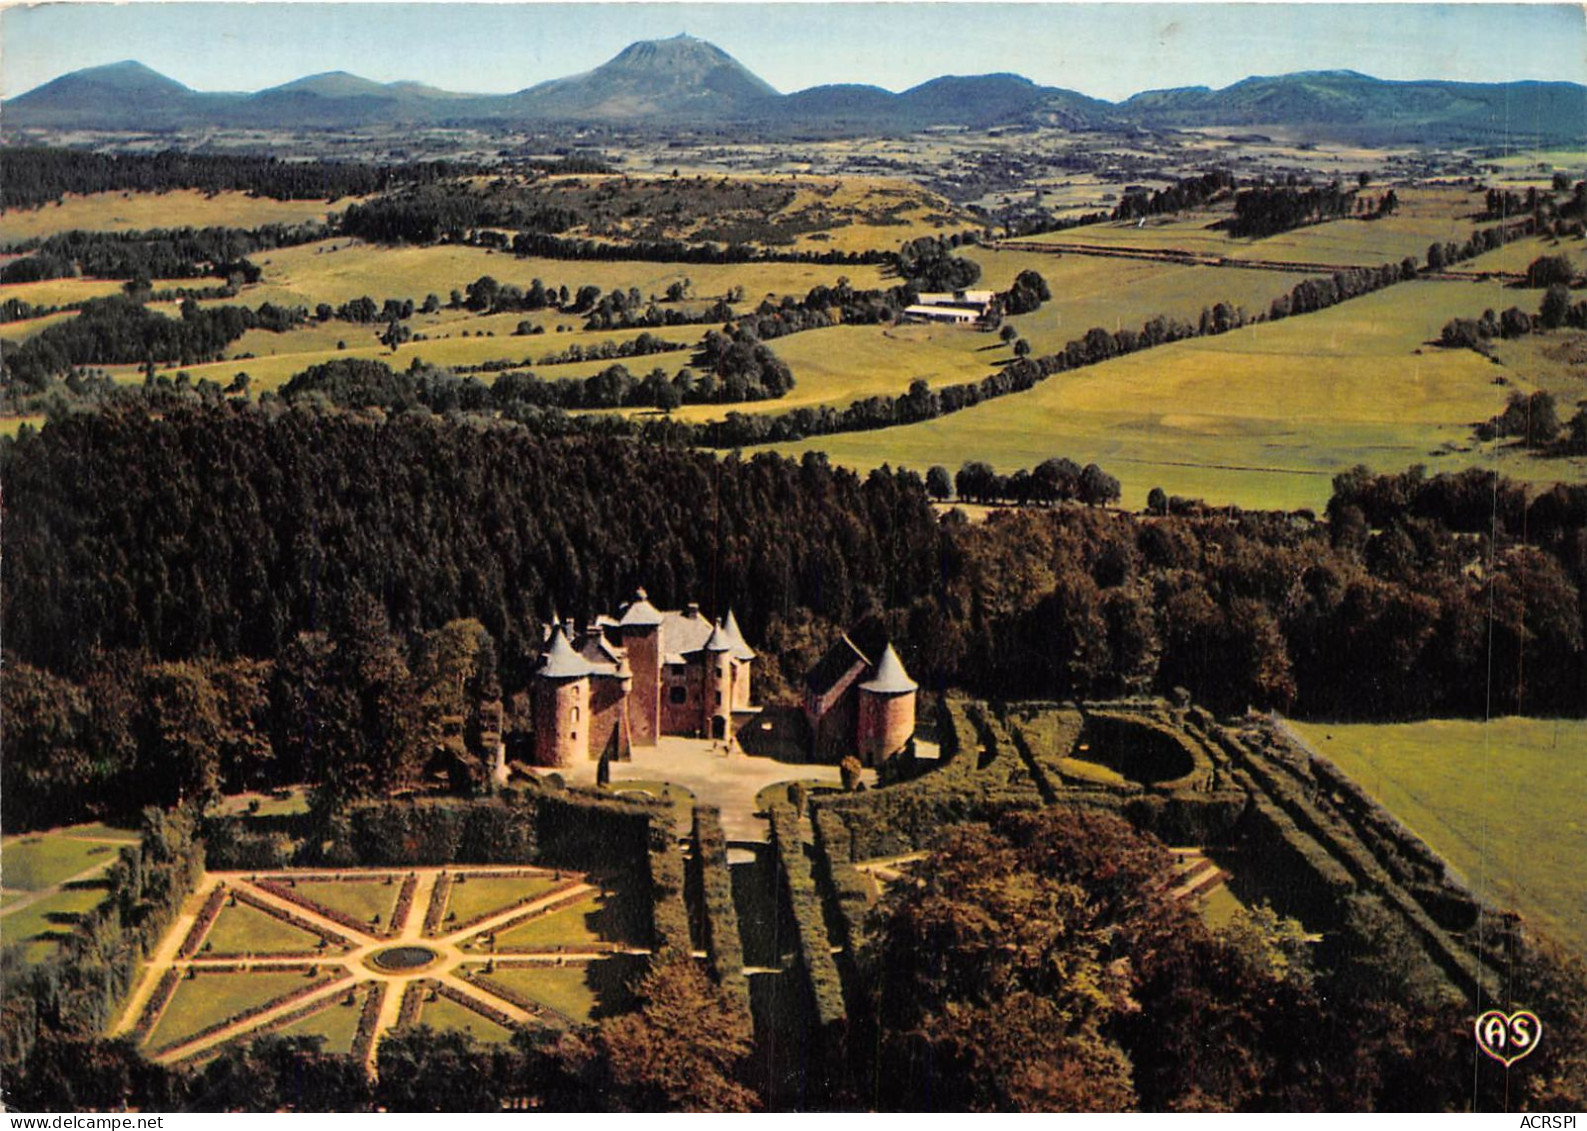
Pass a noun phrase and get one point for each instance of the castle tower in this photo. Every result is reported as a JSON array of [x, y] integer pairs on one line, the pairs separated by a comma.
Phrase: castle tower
[[717, 703], [887, 710], [742, 654], [640, 627], [561, 704]]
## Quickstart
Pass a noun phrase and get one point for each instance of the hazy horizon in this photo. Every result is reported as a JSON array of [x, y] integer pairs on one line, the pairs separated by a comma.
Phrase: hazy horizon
[[1104, 50]]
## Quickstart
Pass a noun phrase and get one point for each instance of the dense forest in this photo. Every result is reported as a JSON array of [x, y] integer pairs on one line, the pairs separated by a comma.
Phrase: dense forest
[[247, 542]]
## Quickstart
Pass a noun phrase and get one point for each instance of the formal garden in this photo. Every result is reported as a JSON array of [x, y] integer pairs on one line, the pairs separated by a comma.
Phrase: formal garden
[[350, 954]]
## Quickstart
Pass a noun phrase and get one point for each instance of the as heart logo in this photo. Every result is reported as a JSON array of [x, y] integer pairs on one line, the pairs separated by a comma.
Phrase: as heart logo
[[1508, 1037]]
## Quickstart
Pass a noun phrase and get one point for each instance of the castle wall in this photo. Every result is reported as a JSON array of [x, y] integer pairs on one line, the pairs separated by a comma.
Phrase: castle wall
[[561, 709], [644, 705], [608, 702], [682, 717], [741, 683], [886, 724], [832, 731]]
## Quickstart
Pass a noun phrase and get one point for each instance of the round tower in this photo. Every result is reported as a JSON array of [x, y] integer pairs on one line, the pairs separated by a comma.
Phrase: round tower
[[717, 702], [743, 656], [886, 710], [561, 704]]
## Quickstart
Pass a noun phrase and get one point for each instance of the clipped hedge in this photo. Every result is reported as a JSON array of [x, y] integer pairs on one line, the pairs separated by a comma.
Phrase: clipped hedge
[[815, 949], [722, 941], [669, 913]]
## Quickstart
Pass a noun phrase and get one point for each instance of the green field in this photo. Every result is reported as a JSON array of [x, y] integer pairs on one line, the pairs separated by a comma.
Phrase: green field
[[241, 929], [279, 356], [1123, 293], [444, 1013], [1501, 801], [178, 208], [680, 797], [1425, 215], [32, 863], [337, 1024], [338, 270], [362, 899], [1262, 417], [207, 999], [477, 896]]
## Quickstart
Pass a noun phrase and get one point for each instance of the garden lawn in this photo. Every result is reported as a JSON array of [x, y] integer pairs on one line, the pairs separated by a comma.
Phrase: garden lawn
[[1502, 801], [476, 896], [444, 1013], [242, 929], [577, 992], [207, 999], [573, 926], [360, 898], [338, 1024]]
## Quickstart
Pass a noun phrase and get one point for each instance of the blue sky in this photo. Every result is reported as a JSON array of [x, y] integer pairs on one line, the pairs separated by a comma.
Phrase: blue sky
[[1105, 50]]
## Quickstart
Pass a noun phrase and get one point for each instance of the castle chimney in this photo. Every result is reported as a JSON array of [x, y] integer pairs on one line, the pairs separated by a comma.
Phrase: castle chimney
[[692, 609]]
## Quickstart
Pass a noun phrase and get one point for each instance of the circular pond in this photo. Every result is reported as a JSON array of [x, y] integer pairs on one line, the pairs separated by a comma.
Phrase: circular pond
[[402, 959]]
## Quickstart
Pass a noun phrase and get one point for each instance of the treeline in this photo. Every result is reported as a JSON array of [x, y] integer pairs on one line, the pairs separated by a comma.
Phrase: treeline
[[517, 394], [1267, 210], [179, 253], [1181, 196], [120, 331], [1057, 480], [36, 175], [447, 212], [544, 246]]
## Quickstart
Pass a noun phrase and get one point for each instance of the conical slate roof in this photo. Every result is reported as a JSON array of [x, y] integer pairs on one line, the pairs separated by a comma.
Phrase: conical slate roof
[[890, 677], [741, 650], [640, 614], [561, 661], [719, 641]]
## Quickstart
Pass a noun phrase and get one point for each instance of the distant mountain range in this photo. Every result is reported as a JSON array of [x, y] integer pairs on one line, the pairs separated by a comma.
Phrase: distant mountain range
[[688, 82]]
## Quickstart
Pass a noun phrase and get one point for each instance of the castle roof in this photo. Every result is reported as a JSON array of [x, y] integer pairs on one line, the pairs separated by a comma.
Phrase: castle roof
[[604, 660], [854, 648], [719, 640], [890, 677], [641, 613], [683, 632], [561, 661], [741, 650]]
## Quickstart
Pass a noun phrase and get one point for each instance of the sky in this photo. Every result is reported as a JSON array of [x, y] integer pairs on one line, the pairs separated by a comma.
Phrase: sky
[[1104, 50]]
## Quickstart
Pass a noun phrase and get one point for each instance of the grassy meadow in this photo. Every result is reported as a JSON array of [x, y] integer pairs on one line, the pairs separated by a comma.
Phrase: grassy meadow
[[1500, 800], [178, 208], [1424, 215], [1263, 416], [338, 270]]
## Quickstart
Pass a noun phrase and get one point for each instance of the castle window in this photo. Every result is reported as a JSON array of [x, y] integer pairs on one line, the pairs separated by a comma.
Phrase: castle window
[[575, 714], [718, 698], [678, 694]]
